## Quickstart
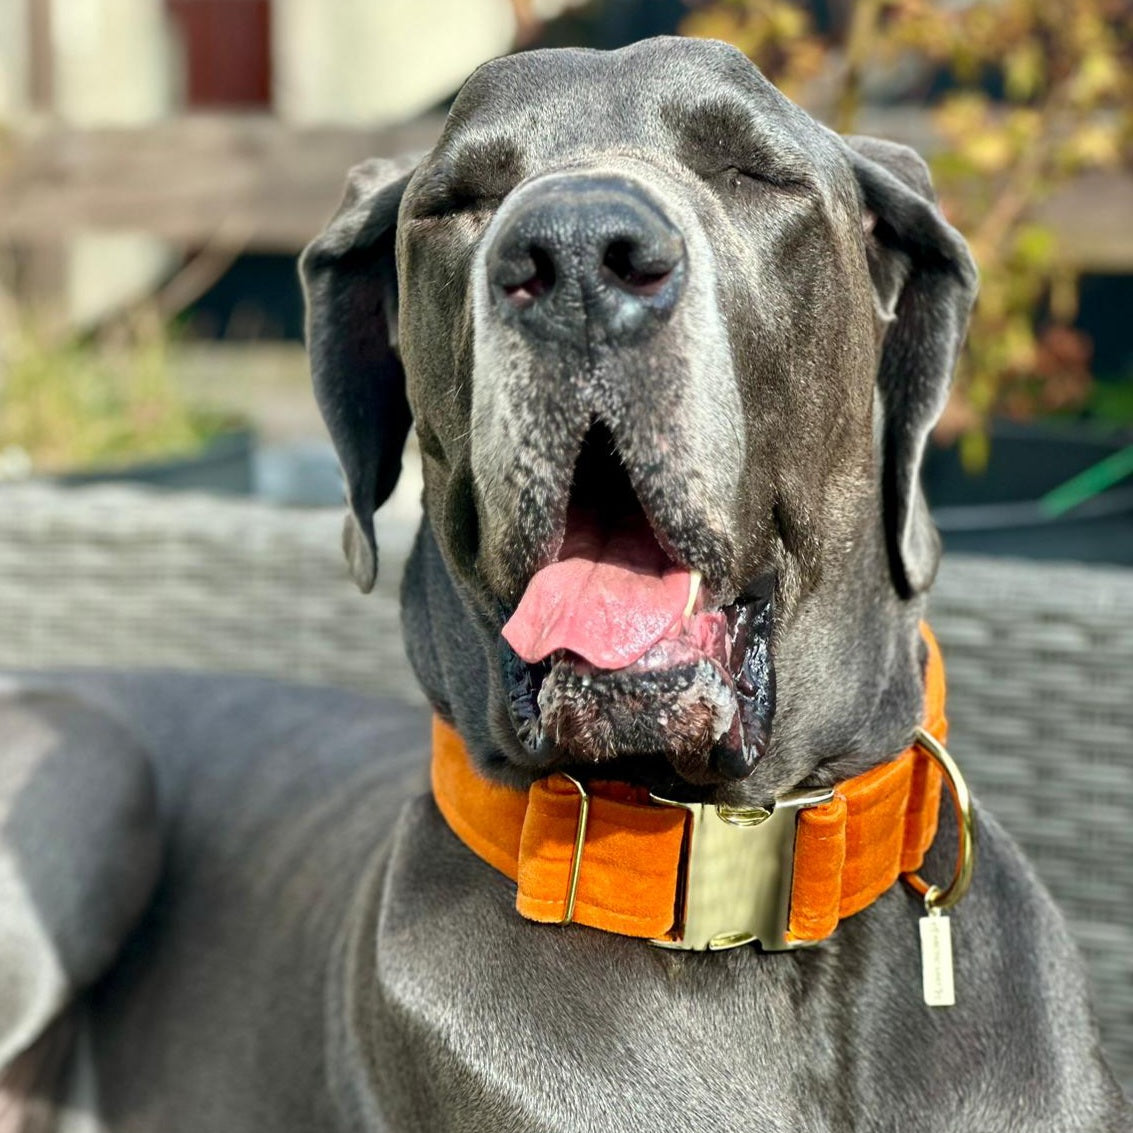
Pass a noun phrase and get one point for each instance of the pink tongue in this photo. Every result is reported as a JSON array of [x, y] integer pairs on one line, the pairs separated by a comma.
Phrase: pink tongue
[[606, 599]]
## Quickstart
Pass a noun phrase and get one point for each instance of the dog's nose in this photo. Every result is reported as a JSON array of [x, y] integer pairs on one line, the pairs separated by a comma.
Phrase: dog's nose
[[586, 256]]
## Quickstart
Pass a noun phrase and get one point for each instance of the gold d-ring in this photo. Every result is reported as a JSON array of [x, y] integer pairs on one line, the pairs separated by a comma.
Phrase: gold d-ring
[[937, 899]]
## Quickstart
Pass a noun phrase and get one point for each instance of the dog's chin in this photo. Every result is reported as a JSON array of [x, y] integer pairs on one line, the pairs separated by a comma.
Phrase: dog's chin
[[697, 705], [673, 707]]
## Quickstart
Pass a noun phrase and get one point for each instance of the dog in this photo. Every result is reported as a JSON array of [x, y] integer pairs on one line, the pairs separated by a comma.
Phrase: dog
[[672, 351]]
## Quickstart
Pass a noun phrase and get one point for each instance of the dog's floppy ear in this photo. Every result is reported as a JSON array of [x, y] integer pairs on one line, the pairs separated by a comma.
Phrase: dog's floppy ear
[[925, 282], [350, 282]]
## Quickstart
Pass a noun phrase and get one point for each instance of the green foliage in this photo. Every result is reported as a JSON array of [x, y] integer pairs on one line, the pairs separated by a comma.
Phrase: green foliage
[[69, 402], [1112, 402], [1063, 73]]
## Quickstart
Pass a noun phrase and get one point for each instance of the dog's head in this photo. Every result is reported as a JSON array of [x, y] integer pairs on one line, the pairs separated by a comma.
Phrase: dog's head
[[672, 350]]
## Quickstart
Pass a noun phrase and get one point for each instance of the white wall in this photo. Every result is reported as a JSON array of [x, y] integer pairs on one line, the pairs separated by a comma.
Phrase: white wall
[[106, 271], [113, 68], [377, 61], [14, 61], [112, 61]]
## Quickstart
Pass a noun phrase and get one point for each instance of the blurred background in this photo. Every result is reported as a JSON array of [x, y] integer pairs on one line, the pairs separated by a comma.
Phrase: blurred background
[[167, 494]]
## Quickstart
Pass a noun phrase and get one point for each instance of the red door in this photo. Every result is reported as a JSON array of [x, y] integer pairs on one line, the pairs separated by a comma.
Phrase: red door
[[227, 46]]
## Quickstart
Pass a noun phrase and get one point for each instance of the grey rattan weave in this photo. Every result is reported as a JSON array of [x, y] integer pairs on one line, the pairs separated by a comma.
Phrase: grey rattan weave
[[1039, 659], [1040, 702], [118, 576]]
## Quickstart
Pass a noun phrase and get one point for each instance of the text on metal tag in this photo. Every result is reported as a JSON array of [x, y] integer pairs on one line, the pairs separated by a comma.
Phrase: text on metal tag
[[936, 960]]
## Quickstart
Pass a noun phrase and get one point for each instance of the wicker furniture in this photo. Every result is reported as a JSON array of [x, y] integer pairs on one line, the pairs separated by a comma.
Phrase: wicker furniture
[[124, 577], [1039, 656]]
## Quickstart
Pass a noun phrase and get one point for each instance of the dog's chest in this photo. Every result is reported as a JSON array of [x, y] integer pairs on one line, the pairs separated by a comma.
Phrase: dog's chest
[[494, 1022]]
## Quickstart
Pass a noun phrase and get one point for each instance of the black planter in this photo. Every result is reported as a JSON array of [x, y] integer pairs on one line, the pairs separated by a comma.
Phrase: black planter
[[223, 467], [998, 512]]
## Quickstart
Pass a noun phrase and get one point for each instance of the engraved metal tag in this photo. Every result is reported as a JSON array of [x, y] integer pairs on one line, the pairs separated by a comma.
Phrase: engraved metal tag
[[936, 960]]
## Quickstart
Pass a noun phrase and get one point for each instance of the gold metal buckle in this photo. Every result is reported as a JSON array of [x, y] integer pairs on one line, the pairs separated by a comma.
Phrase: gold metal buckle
[[936, 899], [737, 867]]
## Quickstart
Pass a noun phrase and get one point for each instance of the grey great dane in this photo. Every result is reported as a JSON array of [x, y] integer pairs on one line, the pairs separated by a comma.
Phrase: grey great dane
[[663, 338]]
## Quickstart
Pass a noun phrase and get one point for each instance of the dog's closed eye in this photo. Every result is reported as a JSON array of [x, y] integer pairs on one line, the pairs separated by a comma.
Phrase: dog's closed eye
[[741, 179], [755, 181], [443, 198], [473, 180]]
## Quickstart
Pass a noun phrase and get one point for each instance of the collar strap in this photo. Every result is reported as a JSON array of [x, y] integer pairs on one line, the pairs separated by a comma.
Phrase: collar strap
[[611, 856]]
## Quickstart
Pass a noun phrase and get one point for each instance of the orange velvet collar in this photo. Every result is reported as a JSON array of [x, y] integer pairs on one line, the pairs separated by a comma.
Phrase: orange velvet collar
[[847, 851]]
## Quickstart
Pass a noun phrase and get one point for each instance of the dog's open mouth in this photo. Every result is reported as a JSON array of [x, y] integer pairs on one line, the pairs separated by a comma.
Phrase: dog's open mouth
[[617, 649]]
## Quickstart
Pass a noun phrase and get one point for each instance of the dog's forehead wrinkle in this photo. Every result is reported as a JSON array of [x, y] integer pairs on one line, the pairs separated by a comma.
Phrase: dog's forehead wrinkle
[[573, 101], [478, 148]]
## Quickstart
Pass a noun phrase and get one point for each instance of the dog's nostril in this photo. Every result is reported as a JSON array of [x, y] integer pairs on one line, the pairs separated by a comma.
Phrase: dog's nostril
[[537, 284], [623, 264]]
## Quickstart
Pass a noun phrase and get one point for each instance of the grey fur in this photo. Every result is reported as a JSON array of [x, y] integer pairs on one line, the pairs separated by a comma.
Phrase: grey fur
[[321, 953]]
